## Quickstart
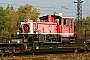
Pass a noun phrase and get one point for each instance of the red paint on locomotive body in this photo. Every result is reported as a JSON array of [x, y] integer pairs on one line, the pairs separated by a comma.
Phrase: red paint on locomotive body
[[67, 26], [47, 27], [52, 24]]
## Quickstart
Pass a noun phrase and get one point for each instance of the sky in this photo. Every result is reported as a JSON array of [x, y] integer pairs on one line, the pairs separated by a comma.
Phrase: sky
[[66, 7]]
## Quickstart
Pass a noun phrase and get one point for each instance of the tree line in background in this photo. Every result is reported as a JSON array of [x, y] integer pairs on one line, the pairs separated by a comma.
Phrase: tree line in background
[[84, 27], [10, 18]]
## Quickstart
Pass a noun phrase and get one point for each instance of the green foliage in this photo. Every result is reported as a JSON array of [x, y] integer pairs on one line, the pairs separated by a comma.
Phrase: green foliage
[[10, 19], [27, 12], [4, 23], [83, 26], [13, 16]]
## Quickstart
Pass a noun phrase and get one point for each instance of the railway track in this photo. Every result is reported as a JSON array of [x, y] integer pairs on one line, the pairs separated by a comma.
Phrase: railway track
[[43, 53], [51, 56]]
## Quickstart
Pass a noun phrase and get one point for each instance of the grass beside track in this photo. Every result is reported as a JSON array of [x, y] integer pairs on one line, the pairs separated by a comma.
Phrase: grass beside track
[[74, 56]]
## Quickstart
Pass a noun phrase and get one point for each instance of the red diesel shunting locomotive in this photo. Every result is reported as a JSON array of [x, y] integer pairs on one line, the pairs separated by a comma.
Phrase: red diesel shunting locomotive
[[51, 28]]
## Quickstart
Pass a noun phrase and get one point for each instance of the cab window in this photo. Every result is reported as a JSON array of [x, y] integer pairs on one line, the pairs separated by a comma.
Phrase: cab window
[[65, 22], [71, 23], [44, 19], [57, 20]]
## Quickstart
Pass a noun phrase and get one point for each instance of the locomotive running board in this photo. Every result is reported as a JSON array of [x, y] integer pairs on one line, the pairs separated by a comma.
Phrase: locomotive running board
[[52, 42]]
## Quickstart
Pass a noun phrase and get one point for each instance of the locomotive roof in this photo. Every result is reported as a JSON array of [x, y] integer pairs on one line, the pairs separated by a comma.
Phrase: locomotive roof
[[49, 15], [45, 17], [67, 17]]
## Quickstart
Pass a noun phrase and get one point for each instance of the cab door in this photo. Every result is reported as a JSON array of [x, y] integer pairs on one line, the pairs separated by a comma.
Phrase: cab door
[[71, 23], [66, 27]]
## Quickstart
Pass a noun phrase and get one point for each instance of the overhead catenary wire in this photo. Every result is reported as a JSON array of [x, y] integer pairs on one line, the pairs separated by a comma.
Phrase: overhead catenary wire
[[58, 8]]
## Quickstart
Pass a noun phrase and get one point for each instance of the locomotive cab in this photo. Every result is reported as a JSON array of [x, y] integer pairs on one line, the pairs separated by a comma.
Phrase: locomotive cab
[[67, 29]]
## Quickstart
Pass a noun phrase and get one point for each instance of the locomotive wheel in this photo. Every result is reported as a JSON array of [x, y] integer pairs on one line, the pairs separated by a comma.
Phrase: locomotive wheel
[[11, 54]]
